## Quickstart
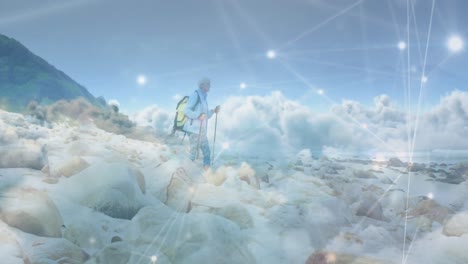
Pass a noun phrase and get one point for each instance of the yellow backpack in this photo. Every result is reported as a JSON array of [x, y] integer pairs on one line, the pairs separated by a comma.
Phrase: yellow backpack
[[180, 118]]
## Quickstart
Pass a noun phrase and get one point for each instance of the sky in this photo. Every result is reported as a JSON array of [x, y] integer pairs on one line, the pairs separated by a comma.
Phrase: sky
[[316, 52]]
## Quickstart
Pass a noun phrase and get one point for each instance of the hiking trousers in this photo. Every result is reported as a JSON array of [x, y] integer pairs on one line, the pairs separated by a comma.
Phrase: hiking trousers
[[204, 147]]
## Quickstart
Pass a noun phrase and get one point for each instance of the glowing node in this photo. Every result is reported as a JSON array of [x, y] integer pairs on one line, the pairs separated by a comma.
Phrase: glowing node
[[243, 85], [430, 195], [320, 91], [424, 79], [154, 258], [455, 44], [92, 240], [141, 80], [401, 45], [365, 126], [226, 145], [177, 97], [191, 189], [380, 157], [271, 54], [331, 258]]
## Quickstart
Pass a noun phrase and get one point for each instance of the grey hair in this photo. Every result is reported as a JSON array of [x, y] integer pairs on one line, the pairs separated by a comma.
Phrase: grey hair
[[203, 82]]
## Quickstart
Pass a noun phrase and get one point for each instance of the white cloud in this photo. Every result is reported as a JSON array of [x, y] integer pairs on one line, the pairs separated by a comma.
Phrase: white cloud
[[114, 102], [446, 125], [274, 125], [177, 97], [154, 117]]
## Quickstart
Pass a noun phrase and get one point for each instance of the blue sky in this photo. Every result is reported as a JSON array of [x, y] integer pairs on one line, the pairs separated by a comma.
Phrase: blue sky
[[348, 48]]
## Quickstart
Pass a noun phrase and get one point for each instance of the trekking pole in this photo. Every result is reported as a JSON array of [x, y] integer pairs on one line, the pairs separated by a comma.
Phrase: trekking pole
[[199, 136], [214, 139]]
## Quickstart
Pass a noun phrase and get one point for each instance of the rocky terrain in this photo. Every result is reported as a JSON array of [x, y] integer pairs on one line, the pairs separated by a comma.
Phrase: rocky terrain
[[73, 193]]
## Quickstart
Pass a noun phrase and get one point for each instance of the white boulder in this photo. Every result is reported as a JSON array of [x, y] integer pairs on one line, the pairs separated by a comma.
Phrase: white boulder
[[52, 250], [111, 188], [457, 225], [188, 238], [23, 155], [10, 250], [31, 211]]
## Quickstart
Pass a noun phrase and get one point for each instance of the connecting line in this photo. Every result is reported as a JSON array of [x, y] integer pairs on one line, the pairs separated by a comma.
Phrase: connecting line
[[364, 39], [421, 82], [337, 50], [182, 224], [377, 202], [439, 65], [409, 116], [404, 260], [333, 102], [412, 243], [343, 66], [234, 37], [321, 24], [250, 21], [217, 156], [156, 237], [180, 228], [167, 233], [301, 52], [408, 73], [406, 216], [171, 220], [42, 11], [416, 32], [392, 12]]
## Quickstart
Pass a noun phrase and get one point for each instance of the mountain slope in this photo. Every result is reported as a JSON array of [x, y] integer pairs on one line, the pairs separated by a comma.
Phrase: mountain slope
[[25, 76]]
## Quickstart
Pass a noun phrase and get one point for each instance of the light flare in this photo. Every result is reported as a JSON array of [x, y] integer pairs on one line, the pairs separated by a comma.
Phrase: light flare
[[430, 196], [191, 189], [141, 80], [402, 45], [424, 79], [226, 145], [271, 54], [455, 44], [380, 157], [331, 258]]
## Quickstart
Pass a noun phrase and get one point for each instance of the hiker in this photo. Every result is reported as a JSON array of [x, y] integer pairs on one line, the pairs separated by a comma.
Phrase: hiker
[[198, 114]]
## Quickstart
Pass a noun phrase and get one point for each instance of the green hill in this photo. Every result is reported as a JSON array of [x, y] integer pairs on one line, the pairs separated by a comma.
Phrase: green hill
[[25, 77]]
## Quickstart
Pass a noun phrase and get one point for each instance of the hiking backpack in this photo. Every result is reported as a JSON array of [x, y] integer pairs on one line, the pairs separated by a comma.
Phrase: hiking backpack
[[180, 118]]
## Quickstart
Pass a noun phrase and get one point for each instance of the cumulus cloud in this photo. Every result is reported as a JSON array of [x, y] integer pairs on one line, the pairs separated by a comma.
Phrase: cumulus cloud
[[113, 102], [274, 125], [155, 117], [114, 105], [446, 125]]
